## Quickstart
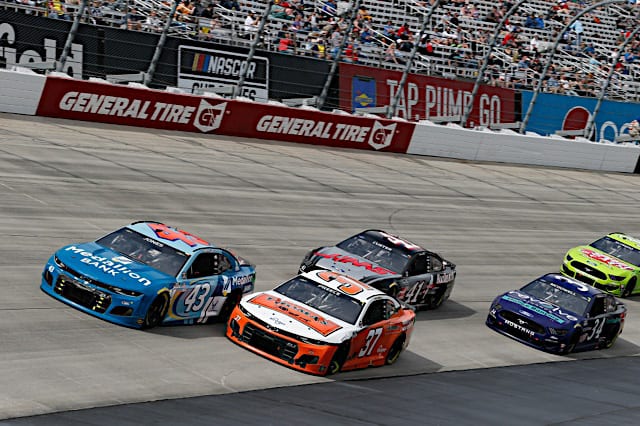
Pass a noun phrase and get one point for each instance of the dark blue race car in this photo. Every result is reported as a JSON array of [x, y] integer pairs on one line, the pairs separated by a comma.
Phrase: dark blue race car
[[559, 315], [147, 274]]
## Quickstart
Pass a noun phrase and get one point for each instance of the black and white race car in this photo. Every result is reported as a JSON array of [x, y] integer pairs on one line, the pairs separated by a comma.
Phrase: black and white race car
[[394, 265]]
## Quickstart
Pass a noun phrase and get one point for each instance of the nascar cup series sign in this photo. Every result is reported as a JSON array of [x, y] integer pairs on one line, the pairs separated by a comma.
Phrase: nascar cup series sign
[[199, 69]]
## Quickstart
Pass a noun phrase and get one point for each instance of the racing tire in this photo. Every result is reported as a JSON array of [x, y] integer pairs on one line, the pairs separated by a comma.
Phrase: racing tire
[[156, 311], [438, 299], [611, 340], [394, 351], [393, 290], [628, 290], [338, 360], [228, 306], [572, 342]]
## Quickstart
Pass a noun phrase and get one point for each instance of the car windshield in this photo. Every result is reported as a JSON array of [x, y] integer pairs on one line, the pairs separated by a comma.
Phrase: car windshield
[[324, 299], [565, 299], [373, 250], [617, 249], [145, 250]]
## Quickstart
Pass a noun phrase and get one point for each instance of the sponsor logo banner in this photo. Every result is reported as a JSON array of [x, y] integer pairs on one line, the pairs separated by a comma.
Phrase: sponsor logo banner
[[423, 97], [116, 104], [200, 68]]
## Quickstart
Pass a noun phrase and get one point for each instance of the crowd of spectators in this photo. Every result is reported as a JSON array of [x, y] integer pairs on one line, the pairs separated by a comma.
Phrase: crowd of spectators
[[456, 36]]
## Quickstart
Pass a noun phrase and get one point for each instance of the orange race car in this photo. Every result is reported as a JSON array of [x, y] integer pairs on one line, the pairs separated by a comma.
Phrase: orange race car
[[321, 323]]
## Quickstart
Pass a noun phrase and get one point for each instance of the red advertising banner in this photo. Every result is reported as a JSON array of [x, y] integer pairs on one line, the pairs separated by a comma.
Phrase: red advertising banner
[[115, 104], [423, 96]]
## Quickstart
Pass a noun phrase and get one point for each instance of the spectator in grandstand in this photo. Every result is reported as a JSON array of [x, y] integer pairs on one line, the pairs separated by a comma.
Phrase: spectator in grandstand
[[153, 23], [231, 5], [335, 41], [318, 47], [351, 52], [363, 14], [329, 8], [425, 45], [577, 29], [391, 54], [495, 16], [96, 13], [286, 43], [184, 11], [208, 12], [389, 30], [281, 10], [404, 32], [56, 10], [134, 20], [366, 36], [251, 23]]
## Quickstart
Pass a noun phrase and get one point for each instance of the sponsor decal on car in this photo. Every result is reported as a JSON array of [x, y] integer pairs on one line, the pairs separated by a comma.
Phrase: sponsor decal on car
[[295, 311], [605, 259], [336, 257], [519, 327], [113, 267]]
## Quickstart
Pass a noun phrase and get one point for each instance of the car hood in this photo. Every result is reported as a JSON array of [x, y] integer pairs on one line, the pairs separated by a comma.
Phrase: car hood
[[92, 261], [600, 260], [544, 313], [278, 312], [338, 260]]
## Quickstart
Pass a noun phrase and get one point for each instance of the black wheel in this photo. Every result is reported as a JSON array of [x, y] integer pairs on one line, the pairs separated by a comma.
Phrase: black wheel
[[628, 290], [394, 352], [437, 299], [338, 360], [611, 340], [232, 300], [572, 342], [156, 311], [393, 290]]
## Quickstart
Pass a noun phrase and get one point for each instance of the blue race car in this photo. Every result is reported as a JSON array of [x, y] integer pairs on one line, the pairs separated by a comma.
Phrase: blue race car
[[147, 274], [558, 314]]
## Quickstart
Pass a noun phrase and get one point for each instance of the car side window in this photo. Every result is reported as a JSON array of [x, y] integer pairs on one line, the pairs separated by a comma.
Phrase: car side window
[[419, 266], [598, 307], [610, 304], [375, 313], [224, 264], [436, 264], [207, 264]]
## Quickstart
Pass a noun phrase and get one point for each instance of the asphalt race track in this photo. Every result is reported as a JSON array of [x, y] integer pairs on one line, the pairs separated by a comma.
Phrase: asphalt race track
[[503, 225]]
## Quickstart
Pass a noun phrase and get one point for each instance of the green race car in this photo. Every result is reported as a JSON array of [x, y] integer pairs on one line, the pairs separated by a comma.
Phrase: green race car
[[611, 263]]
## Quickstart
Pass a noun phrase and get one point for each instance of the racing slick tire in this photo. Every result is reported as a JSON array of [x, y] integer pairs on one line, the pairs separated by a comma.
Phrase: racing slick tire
[[572, 342], [227, 307], [628, 290], [609, 342], [156, 311], [437, 299], [338, 360], [394, 351]]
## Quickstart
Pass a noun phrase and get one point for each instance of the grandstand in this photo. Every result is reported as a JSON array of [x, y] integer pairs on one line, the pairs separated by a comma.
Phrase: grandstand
[[456, 39]]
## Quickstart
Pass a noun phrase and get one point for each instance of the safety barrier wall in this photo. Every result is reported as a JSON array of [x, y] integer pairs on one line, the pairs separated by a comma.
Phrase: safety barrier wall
[[63, 97], [506, 146]]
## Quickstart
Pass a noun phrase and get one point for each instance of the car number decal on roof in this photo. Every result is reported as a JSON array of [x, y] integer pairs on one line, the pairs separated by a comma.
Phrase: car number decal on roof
[[171, 234], [347, 285], [400, 242], [297, 312], [606, 259]]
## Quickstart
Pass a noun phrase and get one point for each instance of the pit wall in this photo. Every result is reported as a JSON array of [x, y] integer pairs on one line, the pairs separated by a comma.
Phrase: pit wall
[[58, 96]]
